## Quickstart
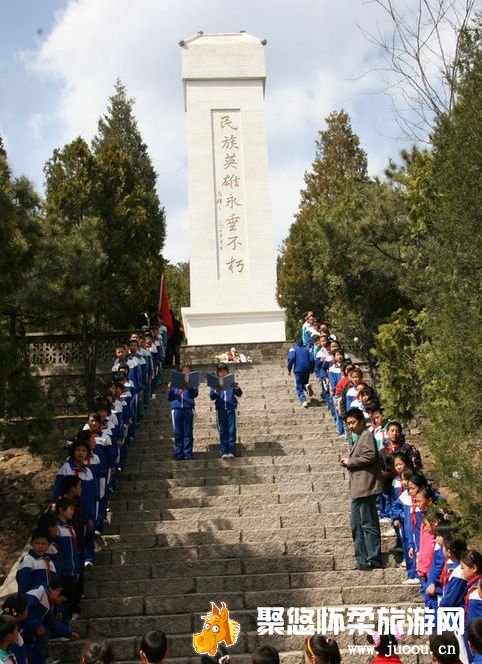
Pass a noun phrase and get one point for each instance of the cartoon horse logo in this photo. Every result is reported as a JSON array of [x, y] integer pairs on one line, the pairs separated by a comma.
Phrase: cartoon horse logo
[[218, 627]]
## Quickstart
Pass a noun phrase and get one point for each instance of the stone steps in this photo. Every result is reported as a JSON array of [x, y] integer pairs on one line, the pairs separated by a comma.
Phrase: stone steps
[[228, 469], [138, 605], [151, 535], [210, 439], [237, 491], [129, 522], [172, 585], [138, 459], [269, 528], [180, 627], [127, 510], [255, 485], [169, 548], [287, 657]]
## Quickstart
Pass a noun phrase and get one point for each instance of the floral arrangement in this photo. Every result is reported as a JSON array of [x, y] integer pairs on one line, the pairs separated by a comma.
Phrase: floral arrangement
[[233, 356]]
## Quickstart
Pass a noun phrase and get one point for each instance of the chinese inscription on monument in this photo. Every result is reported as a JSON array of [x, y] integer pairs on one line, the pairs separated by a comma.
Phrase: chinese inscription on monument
[[231, 235]]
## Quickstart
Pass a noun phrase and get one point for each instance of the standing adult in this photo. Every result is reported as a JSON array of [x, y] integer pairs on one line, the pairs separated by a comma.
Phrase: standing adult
[[144, 319], [366, 483], [173, 350]]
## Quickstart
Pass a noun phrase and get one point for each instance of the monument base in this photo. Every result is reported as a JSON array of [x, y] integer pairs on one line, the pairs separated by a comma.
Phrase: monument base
[[206, 328]]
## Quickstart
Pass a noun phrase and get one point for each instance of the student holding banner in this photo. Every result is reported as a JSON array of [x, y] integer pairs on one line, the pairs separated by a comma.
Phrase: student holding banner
[[182, 391], [224, 394]]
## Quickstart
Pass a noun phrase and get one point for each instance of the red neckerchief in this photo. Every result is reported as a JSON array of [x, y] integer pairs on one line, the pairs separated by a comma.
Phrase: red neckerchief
[[47, 566], [180, 391], [470, 586], [72, 534], [78, 470], [445, 575], [413, 517], [391, 449]]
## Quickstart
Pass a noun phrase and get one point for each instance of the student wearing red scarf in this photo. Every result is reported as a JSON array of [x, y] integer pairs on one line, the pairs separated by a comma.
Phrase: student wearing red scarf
[[471, 564]]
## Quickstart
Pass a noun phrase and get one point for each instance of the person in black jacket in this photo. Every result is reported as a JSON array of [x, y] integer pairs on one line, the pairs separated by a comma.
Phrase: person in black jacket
[[173, 350], [144, 319]]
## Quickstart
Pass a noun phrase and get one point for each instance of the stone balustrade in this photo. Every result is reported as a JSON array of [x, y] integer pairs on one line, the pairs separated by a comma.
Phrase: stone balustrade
[[59, 353]]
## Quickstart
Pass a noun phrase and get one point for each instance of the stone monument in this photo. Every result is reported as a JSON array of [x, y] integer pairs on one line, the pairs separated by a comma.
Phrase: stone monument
[[232, 257]]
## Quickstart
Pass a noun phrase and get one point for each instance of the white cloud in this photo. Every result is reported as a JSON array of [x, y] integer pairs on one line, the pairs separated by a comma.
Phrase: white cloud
[[35, 125], [316, 58]]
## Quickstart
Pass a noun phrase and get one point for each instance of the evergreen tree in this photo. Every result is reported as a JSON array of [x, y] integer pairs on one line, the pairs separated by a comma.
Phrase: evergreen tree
[[75, 294], [341, 257], [339, 167], [130, 203], [453, 370], [442, 246], [103, 231], [23, 410], [177, 283], [298, 291]]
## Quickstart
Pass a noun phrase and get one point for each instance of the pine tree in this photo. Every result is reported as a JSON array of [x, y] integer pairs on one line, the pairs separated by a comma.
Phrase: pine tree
[[103, 231], [130, 202], [341, 255], [339, 166], [453, 370], [21, 397]]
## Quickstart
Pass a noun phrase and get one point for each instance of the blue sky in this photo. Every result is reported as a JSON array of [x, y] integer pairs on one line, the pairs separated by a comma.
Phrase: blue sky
[[59, 60], [23, 25]]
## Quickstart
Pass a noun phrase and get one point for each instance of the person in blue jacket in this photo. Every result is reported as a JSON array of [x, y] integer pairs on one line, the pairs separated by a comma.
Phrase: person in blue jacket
[[433, 590], [41, 623], [301, 362], [471, 563], [67, 540], [182, 408], [226, 404], [48, 524], [76, 465], [454, 583], [101, 458], [474, 637], [35, 568]]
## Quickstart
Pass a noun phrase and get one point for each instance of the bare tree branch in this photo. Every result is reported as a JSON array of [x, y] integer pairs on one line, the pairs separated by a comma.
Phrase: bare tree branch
[[422, 52]]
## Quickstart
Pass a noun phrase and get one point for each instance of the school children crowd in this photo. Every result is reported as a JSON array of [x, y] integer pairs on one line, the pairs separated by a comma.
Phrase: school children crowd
[[50, 576], [433, 546]]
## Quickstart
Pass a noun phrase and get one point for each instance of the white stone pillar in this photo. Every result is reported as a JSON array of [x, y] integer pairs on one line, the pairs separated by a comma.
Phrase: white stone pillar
[[232, 257]]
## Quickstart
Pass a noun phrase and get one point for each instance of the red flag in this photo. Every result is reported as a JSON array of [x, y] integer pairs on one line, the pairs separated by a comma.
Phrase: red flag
[[164, 309]]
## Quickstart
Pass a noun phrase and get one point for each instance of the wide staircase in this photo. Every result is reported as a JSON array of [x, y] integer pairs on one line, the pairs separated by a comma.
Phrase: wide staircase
[[267, 529]]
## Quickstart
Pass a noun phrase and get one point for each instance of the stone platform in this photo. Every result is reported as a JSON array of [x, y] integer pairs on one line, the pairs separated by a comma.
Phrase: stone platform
[[270, 352]]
